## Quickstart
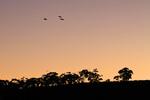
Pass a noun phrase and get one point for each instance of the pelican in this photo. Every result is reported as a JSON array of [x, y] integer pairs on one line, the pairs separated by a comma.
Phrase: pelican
[[60, 17], [45, 18]]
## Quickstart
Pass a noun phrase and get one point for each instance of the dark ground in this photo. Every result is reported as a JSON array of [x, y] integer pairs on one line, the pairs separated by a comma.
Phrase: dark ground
[[100, 91]]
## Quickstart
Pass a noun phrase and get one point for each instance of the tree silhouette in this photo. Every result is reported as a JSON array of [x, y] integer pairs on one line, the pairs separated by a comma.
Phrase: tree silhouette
[[125, 74], [69, 78], [92, 77], [50, 79], [50, 85], [39, 82], [22, 82], [117, 77], [14, 83], [84, 74], [31, 82], [4, 83]]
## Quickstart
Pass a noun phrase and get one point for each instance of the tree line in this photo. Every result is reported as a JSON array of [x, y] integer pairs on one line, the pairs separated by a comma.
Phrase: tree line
[[53, 79]]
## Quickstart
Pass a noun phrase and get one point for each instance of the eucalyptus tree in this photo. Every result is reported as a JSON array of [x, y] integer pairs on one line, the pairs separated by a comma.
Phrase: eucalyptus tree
[[84, 74], [50, 79], [14, 83], [91, 76], [69, 78], [31, 82], [125, 74], [94, 77], [4, 83]]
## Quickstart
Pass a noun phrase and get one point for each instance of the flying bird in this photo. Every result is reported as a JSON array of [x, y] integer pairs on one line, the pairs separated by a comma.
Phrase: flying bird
[[45, 18], [60, 17]]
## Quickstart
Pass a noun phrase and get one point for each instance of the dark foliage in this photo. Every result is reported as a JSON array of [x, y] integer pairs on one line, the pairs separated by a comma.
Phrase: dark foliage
[[72, 86], [52, 79], [124, 74]]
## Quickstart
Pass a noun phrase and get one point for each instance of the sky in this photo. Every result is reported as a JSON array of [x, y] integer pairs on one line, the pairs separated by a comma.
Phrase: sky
[[104, 34]]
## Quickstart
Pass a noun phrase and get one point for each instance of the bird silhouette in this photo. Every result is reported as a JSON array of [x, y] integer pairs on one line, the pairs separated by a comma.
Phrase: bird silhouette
[[60, 17], [45, 18]]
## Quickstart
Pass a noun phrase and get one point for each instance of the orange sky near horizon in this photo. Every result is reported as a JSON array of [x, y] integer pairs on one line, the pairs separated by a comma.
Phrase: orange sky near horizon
[[104, 34]]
